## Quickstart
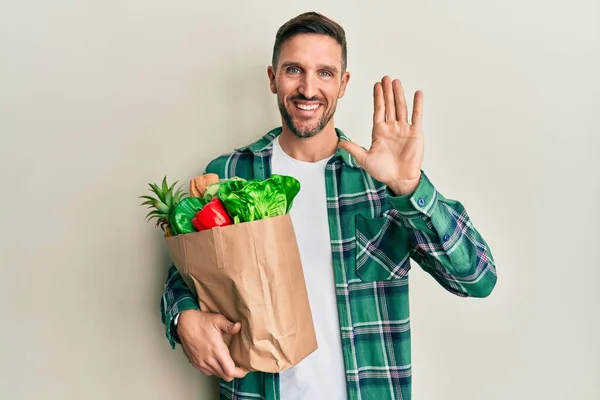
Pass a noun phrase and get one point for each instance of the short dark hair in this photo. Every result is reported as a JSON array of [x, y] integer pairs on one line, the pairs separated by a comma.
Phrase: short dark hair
[[310, 22]]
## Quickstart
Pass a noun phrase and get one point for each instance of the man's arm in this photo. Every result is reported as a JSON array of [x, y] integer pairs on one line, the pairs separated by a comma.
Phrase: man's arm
[[176, 298], [444, 241]]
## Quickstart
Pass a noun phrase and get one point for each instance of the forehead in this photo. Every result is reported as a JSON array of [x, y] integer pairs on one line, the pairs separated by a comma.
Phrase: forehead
[[311, 48]]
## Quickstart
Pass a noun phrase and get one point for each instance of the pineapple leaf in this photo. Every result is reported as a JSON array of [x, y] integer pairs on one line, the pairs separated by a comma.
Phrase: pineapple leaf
[[180, 193], [162, 207], [156, 190], [181, 190], [153, 214]]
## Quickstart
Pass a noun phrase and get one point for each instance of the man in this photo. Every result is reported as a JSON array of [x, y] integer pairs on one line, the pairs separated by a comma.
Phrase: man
[[360, 215]]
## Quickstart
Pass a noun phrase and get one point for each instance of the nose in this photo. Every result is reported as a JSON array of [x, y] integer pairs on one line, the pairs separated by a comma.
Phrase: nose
[[308, 87]]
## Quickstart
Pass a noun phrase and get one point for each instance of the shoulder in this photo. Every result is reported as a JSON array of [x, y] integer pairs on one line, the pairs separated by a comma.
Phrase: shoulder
[[237, 163], [240, 162]]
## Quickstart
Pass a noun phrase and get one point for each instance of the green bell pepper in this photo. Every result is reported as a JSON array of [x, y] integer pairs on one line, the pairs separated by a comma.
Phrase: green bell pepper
[[183, 213]]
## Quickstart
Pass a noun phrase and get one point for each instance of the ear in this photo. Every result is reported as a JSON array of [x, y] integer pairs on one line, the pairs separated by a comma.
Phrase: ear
[[271, 75], [345, 80]]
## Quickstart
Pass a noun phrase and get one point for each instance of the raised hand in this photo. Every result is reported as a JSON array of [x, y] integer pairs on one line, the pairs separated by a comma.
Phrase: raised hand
[[396, 153]]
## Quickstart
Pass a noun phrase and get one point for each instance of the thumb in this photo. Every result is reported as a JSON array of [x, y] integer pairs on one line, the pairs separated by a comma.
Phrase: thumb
[[235, 328], [224, 325], [355, 151]]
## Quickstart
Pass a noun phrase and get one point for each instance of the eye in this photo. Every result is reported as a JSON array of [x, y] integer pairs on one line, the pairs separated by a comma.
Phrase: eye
[[325, 73], [293, 70]]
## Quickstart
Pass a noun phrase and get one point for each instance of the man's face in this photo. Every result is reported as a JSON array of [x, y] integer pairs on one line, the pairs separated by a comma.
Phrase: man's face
[[308, 82]]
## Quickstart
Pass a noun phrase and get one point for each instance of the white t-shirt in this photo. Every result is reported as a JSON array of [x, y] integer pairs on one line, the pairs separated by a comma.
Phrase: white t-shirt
[[321, 375]]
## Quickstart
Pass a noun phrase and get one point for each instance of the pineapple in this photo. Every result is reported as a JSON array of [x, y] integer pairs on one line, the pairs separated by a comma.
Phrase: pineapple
[[162, 204]]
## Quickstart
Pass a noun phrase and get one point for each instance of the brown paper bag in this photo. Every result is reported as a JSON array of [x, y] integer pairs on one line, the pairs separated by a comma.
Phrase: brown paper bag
[[252, 273]]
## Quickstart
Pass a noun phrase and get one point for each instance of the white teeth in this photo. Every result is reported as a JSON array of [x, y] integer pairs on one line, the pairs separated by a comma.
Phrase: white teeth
[[307, 107]]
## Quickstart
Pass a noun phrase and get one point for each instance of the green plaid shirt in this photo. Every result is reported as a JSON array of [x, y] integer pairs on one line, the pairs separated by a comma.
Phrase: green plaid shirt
[[373, 236]]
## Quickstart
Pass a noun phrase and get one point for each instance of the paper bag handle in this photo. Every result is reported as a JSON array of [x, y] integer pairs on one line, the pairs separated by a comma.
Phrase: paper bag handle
[[218, 241]]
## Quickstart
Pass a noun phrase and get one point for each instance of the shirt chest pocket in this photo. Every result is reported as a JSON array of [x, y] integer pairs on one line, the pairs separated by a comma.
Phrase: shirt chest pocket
[[382, 249]]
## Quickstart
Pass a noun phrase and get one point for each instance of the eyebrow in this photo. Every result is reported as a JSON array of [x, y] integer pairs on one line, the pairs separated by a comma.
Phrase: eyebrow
[[288, 64]]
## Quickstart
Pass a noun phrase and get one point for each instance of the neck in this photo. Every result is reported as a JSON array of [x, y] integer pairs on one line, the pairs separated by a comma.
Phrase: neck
[[313, 149]]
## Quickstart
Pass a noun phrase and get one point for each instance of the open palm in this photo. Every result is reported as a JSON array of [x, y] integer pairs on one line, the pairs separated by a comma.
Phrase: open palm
[[395, 156]]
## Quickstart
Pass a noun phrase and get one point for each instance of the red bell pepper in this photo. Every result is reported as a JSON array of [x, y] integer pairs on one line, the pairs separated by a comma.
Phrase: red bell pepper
[[211, 215]]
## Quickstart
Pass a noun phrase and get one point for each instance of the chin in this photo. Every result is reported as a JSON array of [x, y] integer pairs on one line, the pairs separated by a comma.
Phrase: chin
[[305, 135], [305, 132]]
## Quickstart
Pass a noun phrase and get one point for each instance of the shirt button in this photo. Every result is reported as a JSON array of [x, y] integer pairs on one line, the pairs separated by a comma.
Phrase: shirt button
[[421, 202], [446, 237]]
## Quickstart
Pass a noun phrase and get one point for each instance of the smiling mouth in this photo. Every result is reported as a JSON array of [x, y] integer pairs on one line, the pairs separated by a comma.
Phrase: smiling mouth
[[307, 107]]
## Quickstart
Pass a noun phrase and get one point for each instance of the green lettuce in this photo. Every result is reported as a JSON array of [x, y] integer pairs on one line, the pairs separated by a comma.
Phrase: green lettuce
[[290, 186], [213, 190], [252, 200]]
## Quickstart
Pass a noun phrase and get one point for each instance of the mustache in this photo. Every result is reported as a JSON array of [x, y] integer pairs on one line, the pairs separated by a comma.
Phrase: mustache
[[304, 98]]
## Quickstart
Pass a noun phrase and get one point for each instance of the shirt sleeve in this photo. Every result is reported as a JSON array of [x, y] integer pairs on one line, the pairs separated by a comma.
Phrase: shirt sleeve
[[176, 298], [444, 242]]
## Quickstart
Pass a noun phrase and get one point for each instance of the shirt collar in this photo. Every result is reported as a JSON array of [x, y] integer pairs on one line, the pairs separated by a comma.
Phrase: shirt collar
[[266, 143]]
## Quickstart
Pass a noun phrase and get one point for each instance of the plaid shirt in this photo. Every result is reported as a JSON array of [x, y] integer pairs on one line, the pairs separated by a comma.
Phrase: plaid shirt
[[373, 236]]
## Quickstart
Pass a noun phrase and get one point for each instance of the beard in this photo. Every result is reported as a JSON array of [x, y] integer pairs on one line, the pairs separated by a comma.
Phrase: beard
[[310, 128]]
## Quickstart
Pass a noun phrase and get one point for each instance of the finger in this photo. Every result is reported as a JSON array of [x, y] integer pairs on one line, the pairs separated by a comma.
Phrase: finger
[[388, 95], [228, 365], [355, 151], [378, 107], [239, 372], [216, 366], [400, 100], [206, 369], [417, 114], [200, 366], [226, 362]]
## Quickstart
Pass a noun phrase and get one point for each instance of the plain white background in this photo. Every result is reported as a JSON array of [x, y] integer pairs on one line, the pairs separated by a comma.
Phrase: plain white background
[[98, 98]]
